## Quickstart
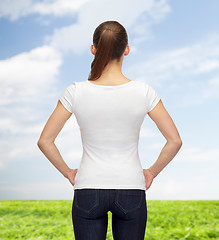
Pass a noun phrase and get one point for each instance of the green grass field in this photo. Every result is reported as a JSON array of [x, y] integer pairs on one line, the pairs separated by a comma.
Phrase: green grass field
[[51, 219]]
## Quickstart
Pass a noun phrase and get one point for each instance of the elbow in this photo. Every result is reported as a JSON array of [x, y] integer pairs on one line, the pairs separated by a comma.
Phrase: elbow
[[41, 143], [177, 141], [180, 143]]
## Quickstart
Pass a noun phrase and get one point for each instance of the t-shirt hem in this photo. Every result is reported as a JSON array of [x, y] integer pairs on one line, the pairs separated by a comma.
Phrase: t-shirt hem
[[63, 103], [109, 187], [154, 104]]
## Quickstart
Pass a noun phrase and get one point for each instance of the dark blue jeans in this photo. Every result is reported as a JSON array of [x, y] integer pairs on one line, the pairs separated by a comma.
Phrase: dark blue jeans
[[90, 213]]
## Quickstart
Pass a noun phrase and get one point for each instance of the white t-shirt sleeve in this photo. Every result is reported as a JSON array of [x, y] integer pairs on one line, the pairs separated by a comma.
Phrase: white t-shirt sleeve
[[67, 97], [152, 98]]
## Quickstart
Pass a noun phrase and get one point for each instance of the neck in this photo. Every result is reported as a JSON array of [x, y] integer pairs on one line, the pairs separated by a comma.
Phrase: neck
[[113, 69]]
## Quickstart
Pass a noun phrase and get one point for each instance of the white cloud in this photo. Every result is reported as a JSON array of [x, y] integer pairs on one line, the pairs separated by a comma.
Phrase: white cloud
[[76, 37], [166, 65], [17, 148], [21, 136], [26, 76], [190, 154], [28, 81], [61, 189], [14, 9], [212, 89], [183, 73], [57, 7], [182, 189], [139, 17], [198, 154]]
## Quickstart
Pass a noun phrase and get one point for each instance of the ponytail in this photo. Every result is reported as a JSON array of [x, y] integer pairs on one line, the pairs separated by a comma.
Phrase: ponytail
[[110, 40]]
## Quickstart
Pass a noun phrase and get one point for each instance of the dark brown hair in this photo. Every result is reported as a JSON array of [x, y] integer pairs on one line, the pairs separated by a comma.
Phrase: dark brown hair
[[110, 40]]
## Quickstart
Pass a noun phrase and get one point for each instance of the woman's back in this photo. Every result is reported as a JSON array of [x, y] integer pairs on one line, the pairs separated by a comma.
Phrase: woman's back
[[110, 176], [110, 118]]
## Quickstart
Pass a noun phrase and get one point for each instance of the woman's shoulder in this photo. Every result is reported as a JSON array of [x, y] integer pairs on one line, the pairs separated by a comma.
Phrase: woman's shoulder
[[141, 83]]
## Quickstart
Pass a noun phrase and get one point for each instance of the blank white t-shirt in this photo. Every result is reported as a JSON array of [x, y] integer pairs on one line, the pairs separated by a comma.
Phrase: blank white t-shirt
[[109, 118]]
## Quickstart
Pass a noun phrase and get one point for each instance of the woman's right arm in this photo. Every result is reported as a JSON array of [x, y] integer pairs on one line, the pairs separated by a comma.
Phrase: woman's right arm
[[168, 129]]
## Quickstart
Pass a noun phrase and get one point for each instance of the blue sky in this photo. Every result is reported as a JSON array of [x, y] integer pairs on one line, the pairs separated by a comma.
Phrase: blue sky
[[45, 46]]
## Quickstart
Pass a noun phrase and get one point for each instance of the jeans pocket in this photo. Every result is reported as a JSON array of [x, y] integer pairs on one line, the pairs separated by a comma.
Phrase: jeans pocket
[[86, 200], [129, 200]]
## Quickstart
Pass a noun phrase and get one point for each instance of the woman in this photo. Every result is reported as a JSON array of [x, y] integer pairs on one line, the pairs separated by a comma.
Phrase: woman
[[109, 109]]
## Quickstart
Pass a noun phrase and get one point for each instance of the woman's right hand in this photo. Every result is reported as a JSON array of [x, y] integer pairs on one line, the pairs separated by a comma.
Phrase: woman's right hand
[[149, 177], [71, 174]]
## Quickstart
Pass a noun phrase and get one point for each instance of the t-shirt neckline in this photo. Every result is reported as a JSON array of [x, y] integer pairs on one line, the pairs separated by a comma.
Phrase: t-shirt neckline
[[105, 86]]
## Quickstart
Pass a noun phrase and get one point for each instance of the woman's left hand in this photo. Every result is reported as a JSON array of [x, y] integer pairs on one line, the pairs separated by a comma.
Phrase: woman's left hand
[[71, 175], [149, 177]]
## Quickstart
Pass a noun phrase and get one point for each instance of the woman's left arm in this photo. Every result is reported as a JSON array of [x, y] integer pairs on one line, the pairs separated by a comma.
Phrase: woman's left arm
[[46, 142]]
